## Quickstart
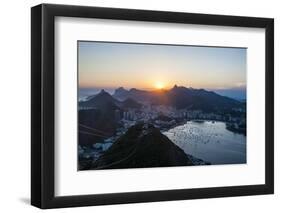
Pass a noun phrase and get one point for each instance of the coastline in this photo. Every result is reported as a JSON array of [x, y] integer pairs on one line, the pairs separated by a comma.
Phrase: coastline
[[228, 125]]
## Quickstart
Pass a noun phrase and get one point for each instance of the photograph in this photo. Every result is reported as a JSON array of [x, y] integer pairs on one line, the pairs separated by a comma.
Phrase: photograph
[[143, 105], [139, 105]]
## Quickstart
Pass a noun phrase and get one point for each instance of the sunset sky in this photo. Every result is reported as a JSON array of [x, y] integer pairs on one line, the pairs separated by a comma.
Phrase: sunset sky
[[143, 66]]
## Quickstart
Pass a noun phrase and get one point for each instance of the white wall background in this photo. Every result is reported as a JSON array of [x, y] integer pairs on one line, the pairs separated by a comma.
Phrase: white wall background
[[15, 105]]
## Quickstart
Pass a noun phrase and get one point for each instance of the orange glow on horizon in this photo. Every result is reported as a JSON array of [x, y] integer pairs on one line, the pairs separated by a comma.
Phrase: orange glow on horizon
[[159, 85]]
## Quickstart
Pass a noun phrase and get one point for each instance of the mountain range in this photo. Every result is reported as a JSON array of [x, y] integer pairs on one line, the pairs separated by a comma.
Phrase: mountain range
[[104, 99], [179, 97], [103, 108]]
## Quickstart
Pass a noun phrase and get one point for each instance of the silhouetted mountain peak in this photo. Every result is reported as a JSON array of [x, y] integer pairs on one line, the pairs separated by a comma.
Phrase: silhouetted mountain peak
[[101, 100], [121, 93], [121, 89], [177, 88], [142, 145], [102, 94]]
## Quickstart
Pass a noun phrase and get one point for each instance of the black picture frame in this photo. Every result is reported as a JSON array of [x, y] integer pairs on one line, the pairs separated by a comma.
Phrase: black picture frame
[[43, 111]]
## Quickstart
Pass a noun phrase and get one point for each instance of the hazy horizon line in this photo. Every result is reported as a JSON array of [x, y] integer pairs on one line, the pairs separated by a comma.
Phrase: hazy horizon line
[[238, 93], [168, 88]]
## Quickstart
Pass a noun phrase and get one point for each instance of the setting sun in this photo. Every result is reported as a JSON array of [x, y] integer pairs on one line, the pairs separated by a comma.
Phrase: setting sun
[[159, 85], [162, 99]]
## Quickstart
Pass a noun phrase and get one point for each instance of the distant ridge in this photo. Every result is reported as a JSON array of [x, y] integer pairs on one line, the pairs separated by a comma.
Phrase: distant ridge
[[180, 97], [121, 93]]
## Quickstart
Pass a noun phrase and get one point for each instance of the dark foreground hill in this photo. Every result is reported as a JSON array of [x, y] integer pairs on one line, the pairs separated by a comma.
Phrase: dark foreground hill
[[141, 146]]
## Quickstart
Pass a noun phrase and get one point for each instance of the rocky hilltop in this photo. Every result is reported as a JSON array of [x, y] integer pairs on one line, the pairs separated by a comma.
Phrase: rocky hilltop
[[142, 146]]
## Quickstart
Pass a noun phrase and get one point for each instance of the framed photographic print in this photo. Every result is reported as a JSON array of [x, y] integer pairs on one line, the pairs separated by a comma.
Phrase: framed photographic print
[[139, 106]]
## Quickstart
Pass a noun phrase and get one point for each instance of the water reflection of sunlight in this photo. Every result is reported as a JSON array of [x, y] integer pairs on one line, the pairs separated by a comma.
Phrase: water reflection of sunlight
[[210, 141]]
